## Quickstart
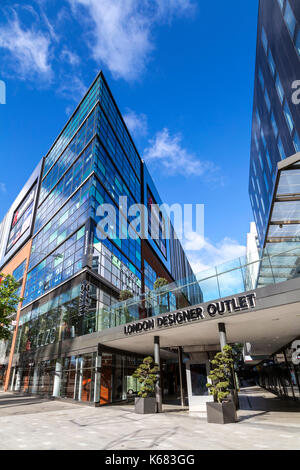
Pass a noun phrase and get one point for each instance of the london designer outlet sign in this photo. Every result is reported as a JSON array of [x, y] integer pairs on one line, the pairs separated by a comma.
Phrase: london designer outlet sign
[[190, 314]]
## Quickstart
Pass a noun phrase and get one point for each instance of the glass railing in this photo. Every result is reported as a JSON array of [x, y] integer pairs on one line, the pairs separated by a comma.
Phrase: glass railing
[[231, 278]]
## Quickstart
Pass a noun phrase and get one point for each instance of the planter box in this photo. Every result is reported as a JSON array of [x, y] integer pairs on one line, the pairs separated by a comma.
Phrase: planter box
[[145, 405], [221, 413]]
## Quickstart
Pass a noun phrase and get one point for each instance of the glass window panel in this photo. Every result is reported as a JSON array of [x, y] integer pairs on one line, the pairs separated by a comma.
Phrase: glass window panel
[[290, 19], [298, 43], [274, 125], [231, 283], [271, 63], [288, 116], [289, 230], [261, 79], [281, 149], [264, 39], [280, 2], [287, 210], [289, 182], [210, 286], [296, 142], [279, 89], [267, 99]]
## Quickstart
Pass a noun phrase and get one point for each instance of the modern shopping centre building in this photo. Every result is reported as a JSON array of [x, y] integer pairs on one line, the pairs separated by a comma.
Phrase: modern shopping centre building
[[72, 338]]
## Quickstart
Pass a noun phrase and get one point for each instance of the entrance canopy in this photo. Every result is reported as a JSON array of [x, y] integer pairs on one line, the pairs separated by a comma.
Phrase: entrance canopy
[[267, 317], [283, 230]]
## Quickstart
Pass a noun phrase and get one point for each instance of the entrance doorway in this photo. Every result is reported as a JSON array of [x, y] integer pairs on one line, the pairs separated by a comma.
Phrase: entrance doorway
[[197, 370]]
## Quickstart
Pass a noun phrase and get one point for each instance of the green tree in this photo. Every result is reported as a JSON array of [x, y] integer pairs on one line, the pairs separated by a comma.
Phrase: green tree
[[8, 303], [146, 374], [220, 375], [125, 295], [160, 282]]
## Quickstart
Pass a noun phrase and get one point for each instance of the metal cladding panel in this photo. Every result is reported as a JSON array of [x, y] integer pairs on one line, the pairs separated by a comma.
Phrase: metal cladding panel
[[6, 225]]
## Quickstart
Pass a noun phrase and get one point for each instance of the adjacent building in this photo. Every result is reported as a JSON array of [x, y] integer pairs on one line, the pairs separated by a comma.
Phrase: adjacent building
[[274, 190], [274, 183], [74, 271], [276, 109]]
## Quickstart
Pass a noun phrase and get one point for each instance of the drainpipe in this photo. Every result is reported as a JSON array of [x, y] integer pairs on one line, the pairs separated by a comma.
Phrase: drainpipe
[[222, 335]]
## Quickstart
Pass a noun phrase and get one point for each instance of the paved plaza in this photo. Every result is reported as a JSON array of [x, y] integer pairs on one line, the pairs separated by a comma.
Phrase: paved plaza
[[27, 423]]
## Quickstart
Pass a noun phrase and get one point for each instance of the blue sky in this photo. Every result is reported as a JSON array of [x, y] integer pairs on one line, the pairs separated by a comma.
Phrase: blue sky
[[182, 73]]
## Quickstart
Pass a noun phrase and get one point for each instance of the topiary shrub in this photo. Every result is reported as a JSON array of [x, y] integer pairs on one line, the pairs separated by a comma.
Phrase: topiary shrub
[[147, 375], [220, 375]]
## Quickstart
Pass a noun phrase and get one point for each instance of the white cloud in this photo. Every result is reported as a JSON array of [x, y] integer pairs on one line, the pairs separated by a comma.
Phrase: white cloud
[[168, 151], [30, 49], [72, 87], [204, 255], [171, 8], [122, 30], [70, 57], [2, 188], [136, 123]]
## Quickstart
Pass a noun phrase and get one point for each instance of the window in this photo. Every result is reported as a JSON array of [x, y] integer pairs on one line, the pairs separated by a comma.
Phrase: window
[[269, 161], [261, 162], [279, 89], [261, 79], [290, 19], [280, 2], [19, 271], [258, 185], [281, 149], [274, 125], [267, 99], [271, 63], [263, 138], [298, 43], [262, 204], [22, 218], [264, 39], [256, 142], [258, 118], [297, 142], [266, 182], [288, 117]]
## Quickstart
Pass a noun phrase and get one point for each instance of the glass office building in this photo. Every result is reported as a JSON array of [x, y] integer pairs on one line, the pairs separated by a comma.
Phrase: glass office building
[[276, 110], [74, 273]]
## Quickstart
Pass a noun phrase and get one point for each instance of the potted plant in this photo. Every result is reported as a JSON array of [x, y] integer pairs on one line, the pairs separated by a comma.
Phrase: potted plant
[[221, 410], [146, 374]]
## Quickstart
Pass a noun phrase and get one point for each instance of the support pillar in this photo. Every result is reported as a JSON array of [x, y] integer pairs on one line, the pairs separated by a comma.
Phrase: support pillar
[[222, 335], [97, 379], [57, 379], [180, 375], [35, 380], [11, 389], [18, 379], [158, 395]]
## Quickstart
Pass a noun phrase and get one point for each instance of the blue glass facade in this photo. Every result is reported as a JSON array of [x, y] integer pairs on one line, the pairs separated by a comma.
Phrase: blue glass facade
[[93, 162], [276, 117]]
